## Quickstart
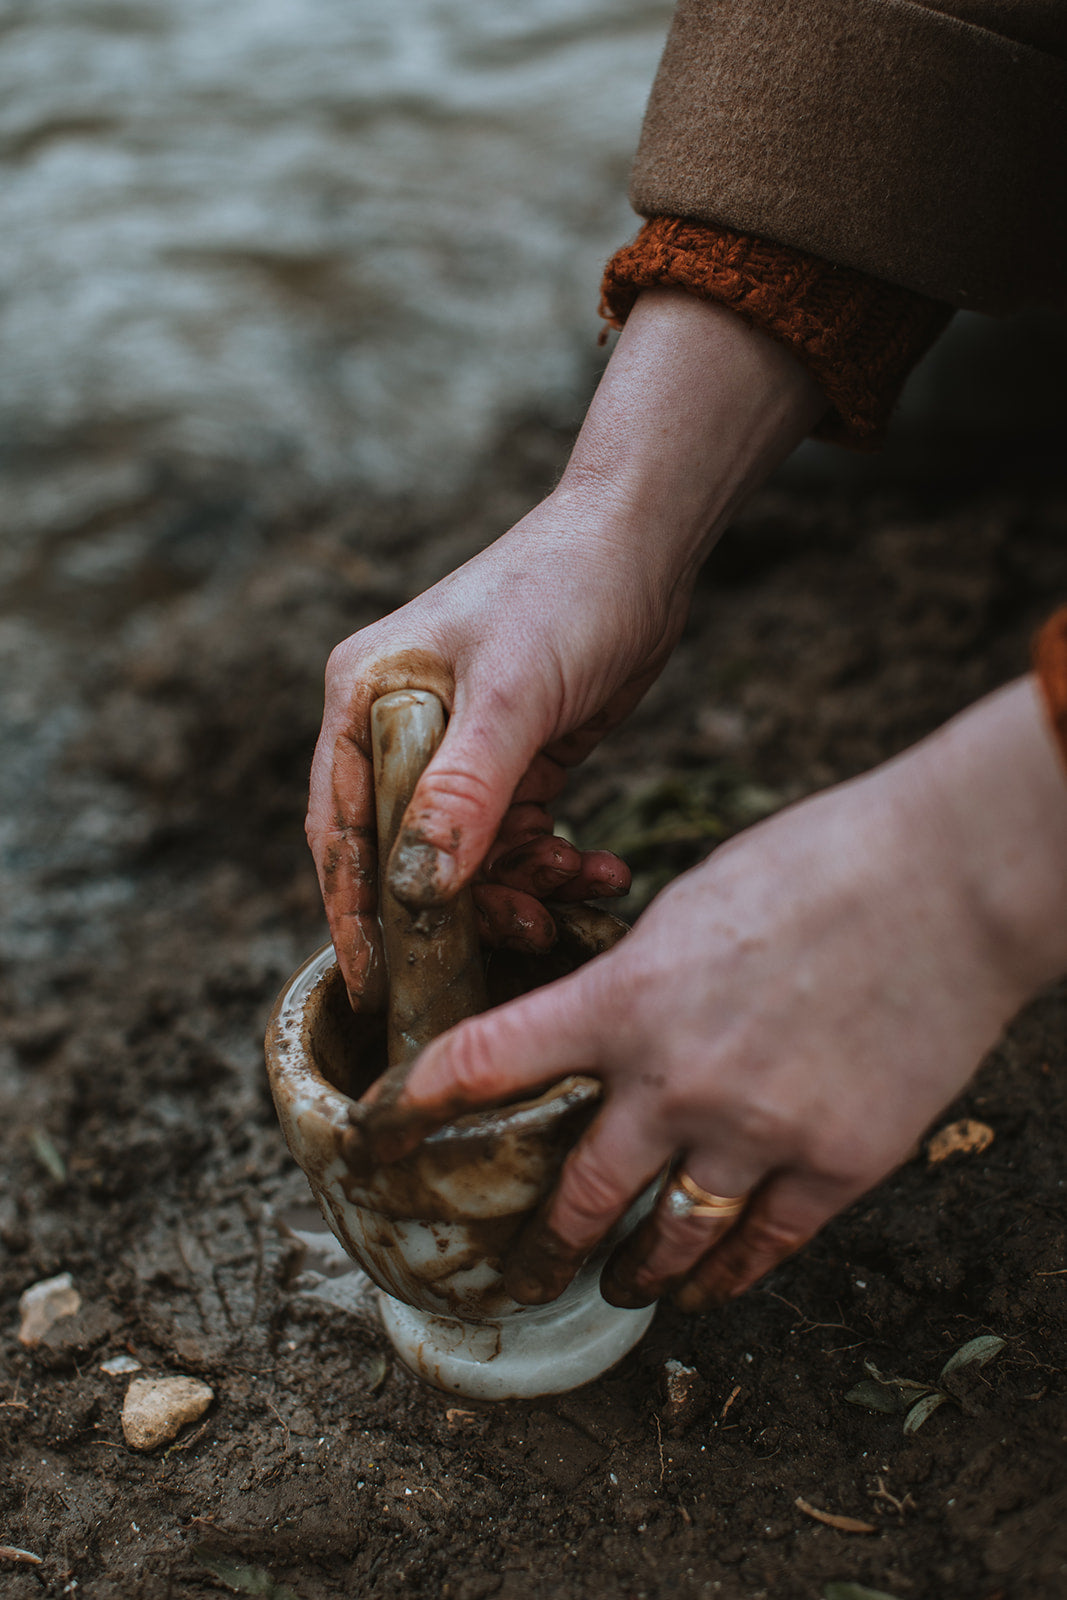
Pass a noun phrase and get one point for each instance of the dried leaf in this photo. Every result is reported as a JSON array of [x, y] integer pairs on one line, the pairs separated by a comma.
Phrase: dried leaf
[[242, 1579], [23, 1558], [922, 1409], [966, 1138], [47, 1154], [876, 1396], [377, 1372], [854, 1591], [905, 1385], [832, 1520], [975, 1353]]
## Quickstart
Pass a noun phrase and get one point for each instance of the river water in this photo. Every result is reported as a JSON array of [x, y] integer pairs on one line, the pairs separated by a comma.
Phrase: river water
[[312, 241]]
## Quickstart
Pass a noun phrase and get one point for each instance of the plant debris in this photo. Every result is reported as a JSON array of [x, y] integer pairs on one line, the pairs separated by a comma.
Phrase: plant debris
[[44, 1149], [966, 1138], [25, 1558], [832, 1520], [241, 1578], [877, 1392]]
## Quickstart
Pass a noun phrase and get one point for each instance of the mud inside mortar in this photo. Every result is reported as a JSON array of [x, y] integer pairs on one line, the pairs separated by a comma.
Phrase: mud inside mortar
[[348, 1046]]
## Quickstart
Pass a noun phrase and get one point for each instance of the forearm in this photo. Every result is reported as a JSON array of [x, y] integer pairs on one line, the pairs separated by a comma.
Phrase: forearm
[[999, 787], [694, 409]]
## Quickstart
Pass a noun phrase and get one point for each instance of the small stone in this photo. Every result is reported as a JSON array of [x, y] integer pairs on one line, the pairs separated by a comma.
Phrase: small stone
[[156, 1408], [114, 1366], [43, 1304], [684, 1389]]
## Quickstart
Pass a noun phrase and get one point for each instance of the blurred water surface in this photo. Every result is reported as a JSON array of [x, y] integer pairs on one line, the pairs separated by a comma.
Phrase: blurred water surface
[[313, 241]]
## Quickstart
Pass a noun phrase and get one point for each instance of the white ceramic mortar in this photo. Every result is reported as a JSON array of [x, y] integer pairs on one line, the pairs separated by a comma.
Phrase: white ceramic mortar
[[431, 1230]]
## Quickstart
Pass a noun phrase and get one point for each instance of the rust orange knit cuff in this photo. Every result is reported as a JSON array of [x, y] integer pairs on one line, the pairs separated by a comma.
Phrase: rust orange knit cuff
[[857, 336], [1050, 667]]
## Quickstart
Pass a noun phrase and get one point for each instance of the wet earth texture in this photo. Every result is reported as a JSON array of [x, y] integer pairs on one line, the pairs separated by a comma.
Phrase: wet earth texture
[[159, 697]]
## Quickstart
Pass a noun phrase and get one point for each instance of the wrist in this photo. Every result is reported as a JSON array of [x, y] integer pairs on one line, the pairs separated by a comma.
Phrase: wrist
[[694, 409]]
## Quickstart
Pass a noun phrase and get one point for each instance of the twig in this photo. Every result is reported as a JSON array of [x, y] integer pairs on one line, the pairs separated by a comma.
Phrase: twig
[[809, 1325], [900, 1506], [730, 1401], [659, 1433], [832, 1520], [24, 1558]]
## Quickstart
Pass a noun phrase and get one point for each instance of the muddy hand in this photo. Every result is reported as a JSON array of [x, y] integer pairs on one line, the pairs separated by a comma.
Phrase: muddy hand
[[786, 1019], [546, 639]]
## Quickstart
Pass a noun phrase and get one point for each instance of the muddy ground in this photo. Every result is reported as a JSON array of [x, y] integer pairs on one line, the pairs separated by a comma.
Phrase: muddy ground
[[161, 685]]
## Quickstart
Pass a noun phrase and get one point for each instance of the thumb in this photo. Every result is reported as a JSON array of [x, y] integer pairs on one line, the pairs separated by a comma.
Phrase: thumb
[[459, 803], [528, 1043]]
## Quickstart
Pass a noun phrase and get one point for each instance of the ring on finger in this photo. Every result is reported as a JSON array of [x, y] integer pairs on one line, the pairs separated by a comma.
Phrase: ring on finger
[[685, 1198]]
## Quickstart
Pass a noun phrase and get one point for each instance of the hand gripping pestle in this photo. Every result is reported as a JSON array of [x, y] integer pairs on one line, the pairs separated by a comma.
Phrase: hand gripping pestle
[[434, 965]]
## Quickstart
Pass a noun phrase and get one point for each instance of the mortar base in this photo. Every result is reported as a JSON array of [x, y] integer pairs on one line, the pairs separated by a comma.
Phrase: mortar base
[[545, 1350]]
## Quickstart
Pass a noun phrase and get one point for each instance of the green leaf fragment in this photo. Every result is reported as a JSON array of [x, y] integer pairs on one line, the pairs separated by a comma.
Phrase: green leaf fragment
[[876, 1396], [854, 1591], [922, 1409], [242, 1579], [975, 1353], [47, 1154]]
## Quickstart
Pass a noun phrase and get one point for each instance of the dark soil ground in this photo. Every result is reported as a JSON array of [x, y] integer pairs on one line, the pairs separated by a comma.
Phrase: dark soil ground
[[162, 680]]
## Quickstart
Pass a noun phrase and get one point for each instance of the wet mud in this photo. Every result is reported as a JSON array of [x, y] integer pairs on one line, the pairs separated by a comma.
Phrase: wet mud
[[157, 892]]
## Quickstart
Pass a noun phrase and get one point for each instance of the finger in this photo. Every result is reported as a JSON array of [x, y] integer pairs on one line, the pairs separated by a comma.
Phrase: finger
[[670, 1241], [540, 867], [780, 1219], [460, 800], [542, 782], [601, 876], [521, 823], [340, 831], [511, 920], [615, 1160], [485, 1061]]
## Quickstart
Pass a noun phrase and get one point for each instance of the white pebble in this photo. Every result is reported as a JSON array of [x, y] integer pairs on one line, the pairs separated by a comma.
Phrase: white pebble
[[114, 1366], [44, 1303]]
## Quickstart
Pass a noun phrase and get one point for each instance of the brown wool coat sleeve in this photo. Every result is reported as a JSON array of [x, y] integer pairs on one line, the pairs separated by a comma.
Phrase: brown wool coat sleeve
[[923, 144]]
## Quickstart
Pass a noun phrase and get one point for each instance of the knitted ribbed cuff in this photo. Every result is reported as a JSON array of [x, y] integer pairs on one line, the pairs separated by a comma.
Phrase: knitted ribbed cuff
[[1050, 667], [857, 336]]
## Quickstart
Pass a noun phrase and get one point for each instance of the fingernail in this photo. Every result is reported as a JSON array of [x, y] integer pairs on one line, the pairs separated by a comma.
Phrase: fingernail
[[420, 875]]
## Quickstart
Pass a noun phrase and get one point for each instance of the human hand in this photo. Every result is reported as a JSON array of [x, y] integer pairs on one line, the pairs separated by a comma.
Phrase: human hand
[[786, 1019], [543, 642]]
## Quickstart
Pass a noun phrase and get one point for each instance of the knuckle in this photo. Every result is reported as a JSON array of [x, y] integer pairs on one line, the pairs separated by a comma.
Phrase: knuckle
[[339, 664], [472, 1062], [772, 1236], [843, 1155], [456, 787], [591, 1195], [763, 1124]]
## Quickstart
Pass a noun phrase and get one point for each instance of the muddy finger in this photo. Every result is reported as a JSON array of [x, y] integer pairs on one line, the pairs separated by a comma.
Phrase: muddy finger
[[539, 867], [670, 1242], [601, 876], [511, 920]]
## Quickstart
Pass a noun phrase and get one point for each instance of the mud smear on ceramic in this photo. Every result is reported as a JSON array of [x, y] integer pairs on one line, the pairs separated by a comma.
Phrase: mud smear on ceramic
[[432, 1228]]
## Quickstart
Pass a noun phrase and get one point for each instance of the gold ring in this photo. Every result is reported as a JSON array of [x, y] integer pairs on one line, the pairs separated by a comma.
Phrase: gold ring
[[706, 1204]]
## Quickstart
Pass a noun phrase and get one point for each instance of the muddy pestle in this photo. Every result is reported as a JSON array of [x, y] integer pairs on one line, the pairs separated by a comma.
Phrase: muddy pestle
[[159, 721]]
